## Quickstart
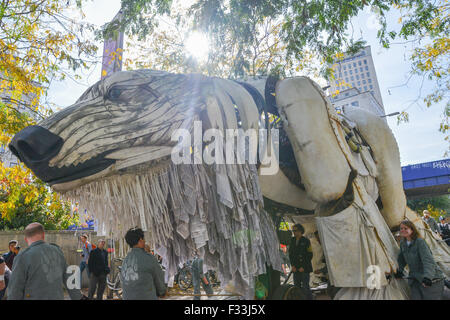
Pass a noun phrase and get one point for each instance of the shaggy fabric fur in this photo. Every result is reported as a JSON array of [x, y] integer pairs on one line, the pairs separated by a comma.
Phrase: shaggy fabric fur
[[217, 209]]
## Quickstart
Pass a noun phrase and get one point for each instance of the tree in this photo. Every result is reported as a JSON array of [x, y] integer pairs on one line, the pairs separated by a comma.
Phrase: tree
[[38, 43], [426, 25], [168, 52], [438, 206], [243, 34], [313, 28], [24, 200], [317, 25]]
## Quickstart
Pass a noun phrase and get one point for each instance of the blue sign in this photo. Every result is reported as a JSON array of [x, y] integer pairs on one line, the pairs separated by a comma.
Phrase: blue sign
[[426, 170], [426, 174]]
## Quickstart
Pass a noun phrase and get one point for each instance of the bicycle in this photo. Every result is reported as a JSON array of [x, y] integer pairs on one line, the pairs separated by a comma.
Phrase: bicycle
[[113, 279], [213, 278], [184, 277]]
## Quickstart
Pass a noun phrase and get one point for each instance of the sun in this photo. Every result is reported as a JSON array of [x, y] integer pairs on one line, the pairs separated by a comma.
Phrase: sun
[[197, 46]]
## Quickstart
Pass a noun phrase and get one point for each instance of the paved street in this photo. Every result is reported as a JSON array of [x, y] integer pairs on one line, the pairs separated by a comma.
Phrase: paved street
[[176, 293]]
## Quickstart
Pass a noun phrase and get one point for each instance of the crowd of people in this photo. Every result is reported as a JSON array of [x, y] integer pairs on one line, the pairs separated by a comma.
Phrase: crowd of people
[[425, 279], [40, 270], [442, 228]]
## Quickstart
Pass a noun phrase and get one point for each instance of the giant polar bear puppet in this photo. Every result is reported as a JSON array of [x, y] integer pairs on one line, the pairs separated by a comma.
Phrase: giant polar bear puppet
[[111, 152]]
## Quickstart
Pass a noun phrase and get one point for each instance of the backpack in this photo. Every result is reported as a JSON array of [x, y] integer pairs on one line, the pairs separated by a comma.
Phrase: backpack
[[93, 246]]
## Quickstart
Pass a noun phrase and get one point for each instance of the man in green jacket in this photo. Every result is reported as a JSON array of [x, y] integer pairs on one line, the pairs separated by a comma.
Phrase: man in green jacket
[[39, 271], [141, 275], [198, 277]]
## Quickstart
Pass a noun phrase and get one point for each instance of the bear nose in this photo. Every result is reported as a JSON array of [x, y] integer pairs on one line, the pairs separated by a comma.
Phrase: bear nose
[[35, 144]]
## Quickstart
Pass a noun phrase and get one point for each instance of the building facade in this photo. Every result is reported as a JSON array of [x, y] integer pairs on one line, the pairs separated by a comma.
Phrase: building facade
[[354, 98], [8, 159], [356, 83]]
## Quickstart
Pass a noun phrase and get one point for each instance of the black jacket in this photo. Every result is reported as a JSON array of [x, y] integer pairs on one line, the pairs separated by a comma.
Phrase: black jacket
[[9, 259], [98, 262], [301, 254], [445, 230]]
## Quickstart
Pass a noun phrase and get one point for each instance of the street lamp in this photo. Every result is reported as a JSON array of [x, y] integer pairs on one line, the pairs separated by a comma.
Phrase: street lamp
[[390, 114]]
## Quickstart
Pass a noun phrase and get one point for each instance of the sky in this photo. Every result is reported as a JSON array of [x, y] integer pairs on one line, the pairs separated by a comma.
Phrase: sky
[[419, 140]]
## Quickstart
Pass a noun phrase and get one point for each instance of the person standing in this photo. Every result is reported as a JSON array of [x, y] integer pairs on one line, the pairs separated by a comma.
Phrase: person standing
[[4, 277], [425, 279], [300, 256], [284, 260], [86, 246], [198, 277], [9, 257], [98, 266], [141, 275], [444, 230], [430, 221], [39, 271]]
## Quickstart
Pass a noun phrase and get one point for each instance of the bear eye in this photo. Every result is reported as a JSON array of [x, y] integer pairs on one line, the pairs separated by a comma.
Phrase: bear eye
[[114, 93]]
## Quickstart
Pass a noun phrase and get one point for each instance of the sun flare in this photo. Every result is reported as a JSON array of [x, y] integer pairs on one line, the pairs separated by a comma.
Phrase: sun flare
[[197, 46]]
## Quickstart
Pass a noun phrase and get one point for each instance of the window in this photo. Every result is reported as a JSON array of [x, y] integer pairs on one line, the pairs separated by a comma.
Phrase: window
[[364, 81], [356, 70], [365, 88], [370, 80], [359, 83], [353, 79], [355, 103], [371, 87], [361, 69], [351, 72], [365, 61], [357, 77], [353, 84], [345, 67], [346, 94], [354, 64], [368, 74], [362, 75], [345, 73], [359, 63], [346, 79], [349, 66], [367, 68]]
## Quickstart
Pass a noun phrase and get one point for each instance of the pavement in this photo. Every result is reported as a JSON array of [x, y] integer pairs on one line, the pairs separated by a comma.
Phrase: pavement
[[175, 293]]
